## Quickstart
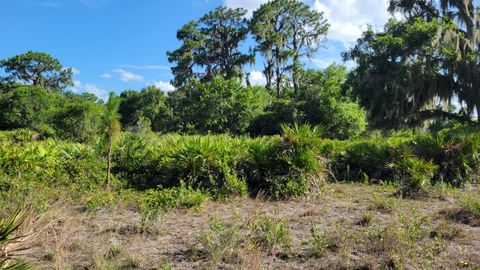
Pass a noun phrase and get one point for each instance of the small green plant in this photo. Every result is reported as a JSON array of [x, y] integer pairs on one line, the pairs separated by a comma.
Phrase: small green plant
[[320, 243], [383, 204], [113, 252], [270, 233], [365, 219], [221, 243]]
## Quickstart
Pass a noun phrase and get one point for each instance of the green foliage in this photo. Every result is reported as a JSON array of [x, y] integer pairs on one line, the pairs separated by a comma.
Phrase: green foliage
[[146, 109], [157, 201], [211, 47], [320, 243], [323, 100], [38, 70], [271, 234], [78, 120], [413, 173], [8, 228], [219, 106], [25, 107], [207, 163], [280, 111], [221, 242], [286, 31]]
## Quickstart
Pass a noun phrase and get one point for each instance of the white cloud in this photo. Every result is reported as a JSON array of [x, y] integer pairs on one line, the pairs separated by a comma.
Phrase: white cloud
[[165, 86], [127, 76], [78, 87], [348, 19], [106, 76], [146, 67], [257, 78]]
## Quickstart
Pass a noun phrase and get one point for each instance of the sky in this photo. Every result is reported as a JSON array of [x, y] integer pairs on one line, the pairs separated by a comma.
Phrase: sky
[[113, 45]]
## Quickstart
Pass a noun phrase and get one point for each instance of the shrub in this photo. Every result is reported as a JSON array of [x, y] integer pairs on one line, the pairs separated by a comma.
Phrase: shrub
[[320, 243], [455, 151], [414, 175], [284, 167], [221, 243], [207, 163], [270, 233], [165, 199]]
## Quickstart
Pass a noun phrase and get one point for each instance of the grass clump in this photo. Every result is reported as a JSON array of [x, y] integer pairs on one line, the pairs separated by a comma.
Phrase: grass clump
[[320, 243], [468, 211], [269, 233], [221, 243]]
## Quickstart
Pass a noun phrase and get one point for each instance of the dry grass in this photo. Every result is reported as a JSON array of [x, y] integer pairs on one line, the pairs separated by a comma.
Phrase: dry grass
[[348, 226]]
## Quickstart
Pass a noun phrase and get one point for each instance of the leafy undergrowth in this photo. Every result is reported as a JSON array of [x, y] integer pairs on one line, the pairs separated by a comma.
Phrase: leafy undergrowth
[[346, 226]]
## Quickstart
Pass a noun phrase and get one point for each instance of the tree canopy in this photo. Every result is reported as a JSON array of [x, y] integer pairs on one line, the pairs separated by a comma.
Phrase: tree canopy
[[418, 65], [210, 47], [36, 69]]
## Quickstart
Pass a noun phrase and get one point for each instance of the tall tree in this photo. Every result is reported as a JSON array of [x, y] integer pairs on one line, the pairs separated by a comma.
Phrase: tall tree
[[148, 105], [211, 47], [286, 31], [112, 131], [36, 69], [415, 67]]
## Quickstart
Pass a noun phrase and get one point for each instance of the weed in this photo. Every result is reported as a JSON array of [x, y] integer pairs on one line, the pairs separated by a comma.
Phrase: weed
[[221, 243], [320, 243], [269, 233]]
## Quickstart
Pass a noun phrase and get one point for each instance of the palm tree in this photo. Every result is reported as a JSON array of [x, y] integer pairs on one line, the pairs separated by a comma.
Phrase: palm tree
[[9, 245], [112, 131]]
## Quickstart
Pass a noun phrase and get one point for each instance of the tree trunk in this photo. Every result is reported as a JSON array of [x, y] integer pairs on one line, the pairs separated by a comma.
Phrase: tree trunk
[[109, 165]]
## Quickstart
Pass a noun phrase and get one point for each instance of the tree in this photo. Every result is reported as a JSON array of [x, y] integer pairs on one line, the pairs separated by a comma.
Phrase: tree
[[38, 70], [219, 106], [78, 118], [415, 68], [286, 31], [210, 47], [111, 131], [324, 100], [25, 107], [147, 107]]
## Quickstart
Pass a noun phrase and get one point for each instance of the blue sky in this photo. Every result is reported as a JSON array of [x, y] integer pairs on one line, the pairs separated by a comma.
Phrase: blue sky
[[121, 44]]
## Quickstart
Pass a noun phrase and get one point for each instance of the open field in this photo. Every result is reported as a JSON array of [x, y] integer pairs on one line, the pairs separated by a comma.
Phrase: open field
[[346, 226]]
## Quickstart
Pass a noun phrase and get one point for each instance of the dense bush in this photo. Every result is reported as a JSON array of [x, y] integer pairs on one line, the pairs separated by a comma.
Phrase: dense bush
[[219, 106], [221, 165], [25, 107]]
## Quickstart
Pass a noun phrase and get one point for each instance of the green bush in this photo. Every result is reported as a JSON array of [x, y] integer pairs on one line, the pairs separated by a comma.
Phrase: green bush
[[165, 199], [414, 174], [282, 167]]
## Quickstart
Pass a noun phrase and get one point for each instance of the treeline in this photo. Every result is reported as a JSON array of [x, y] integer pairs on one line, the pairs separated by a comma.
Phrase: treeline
[[216, 106]]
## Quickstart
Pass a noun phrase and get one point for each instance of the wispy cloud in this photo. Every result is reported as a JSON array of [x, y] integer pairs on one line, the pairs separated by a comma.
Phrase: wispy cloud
[[106, 76], [128, 76], [79, 87], [146, 67]]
